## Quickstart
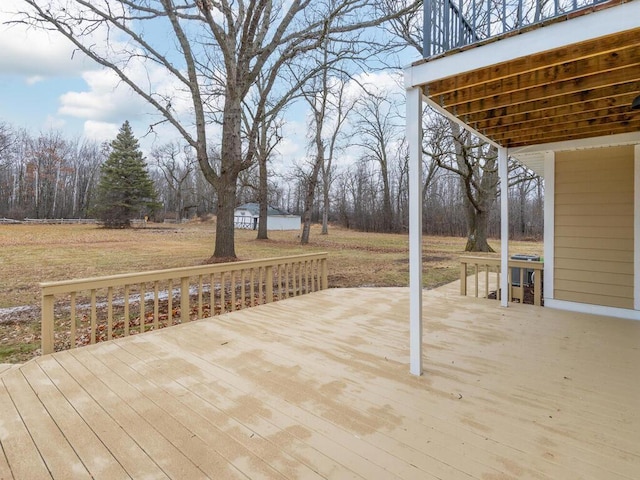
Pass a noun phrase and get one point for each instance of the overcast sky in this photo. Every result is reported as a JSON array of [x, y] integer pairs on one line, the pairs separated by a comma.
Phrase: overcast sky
[[44, 85]]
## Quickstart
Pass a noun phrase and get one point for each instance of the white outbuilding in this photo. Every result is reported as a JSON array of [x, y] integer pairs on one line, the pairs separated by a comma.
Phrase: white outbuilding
[[247, 216]]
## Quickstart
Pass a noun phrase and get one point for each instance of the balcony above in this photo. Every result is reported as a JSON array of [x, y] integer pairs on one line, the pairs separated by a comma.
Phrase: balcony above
[[454, 24], [568, 78]]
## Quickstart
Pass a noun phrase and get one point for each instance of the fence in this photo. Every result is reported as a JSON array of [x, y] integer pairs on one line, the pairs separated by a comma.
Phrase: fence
[[485, 270], [85, 311]]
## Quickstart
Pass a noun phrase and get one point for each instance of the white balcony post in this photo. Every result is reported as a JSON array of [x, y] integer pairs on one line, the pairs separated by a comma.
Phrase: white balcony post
[[414, 138], [503, 171]]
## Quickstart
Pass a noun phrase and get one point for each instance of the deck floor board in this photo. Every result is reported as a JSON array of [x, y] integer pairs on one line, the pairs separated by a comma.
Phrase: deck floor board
[[317, 387]]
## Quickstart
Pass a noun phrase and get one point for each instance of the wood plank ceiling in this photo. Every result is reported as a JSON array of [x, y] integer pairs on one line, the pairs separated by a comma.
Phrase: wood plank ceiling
[[578, 91]]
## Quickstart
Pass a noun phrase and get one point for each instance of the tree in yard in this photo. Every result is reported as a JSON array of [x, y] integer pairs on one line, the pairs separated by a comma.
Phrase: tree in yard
[[125, 189], [476, 165], [177, 167], [330, 106], [211, 52], [379, 131]]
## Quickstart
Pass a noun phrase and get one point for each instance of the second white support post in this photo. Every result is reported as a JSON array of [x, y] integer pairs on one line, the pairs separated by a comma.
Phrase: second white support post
[[414, 137], [503, 171]]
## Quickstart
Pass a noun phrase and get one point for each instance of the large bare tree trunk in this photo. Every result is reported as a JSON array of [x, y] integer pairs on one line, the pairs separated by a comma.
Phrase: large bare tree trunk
[[476, 165], [225, 242], [325, 201], [263, 198]]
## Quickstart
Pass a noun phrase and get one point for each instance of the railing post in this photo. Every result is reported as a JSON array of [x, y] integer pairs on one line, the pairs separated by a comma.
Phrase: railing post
[[47, 324], [537, 287], [185, 309], [325, 275], [463, 278], [268, 283], [426, 28]]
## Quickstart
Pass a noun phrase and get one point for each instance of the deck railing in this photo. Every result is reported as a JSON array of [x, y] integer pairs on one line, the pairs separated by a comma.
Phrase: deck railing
[[450, 24], [485, 270], [86, 311]]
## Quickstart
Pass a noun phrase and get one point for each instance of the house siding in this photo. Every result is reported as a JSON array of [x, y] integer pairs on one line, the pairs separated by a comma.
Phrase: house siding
[[594, 225]]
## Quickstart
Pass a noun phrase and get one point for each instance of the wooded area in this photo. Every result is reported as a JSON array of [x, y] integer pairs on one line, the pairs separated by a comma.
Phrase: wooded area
[[49, 176]]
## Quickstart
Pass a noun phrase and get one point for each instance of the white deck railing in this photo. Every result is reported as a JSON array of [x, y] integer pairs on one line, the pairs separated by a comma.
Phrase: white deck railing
[[485, 271], [86, 311]]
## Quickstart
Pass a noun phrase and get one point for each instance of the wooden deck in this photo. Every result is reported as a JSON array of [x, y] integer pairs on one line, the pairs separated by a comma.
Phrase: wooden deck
[[318, 387]]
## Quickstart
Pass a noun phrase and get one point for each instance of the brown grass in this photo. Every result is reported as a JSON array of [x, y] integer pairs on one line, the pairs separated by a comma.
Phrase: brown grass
[[30, 254]]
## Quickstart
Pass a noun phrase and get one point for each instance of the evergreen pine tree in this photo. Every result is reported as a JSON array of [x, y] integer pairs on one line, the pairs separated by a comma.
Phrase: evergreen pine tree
[[125, 189]]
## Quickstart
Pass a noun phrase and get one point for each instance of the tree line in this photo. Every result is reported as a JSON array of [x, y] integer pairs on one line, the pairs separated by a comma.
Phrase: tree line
[[47, 175]]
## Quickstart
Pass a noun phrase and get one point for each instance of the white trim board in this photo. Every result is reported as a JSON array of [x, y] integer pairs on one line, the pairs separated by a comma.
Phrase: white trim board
[[533, 155], [636, 228], [593, 309], [583, 28]]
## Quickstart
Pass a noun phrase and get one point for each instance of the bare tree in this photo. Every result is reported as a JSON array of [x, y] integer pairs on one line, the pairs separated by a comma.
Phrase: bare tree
[[269, 135], [177, 166], [379, 131], [330, 106], [221, 47]]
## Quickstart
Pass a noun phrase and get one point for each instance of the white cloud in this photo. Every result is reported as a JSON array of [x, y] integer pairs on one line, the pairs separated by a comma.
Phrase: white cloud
[[32, 52], [387, 81], [107, 99], [100, 131], [34, 79]]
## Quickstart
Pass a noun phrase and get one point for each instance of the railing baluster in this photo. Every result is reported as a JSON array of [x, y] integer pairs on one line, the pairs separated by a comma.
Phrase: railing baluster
[[537, 288], [200, 296], [222, 291], [212, 295], [325, 274], [170, 303], [126, 310], [268, 284], [252, 279], [185, 309], [476, 278], [109, 313], [93, 316], [232, 288], [243, 289], [156, 306], [300, 273], [486, 281], [286, 279], [73, 320], [141, 295], [294, 287]]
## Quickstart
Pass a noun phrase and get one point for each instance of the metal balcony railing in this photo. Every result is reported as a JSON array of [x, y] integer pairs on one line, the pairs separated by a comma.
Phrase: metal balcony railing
[[450, 24]]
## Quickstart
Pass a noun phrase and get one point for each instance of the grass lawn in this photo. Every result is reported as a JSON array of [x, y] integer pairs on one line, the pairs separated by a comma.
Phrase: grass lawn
[[30, 254]]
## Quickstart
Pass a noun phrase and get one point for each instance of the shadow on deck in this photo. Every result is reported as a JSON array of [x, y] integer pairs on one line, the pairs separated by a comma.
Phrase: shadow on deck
[[318, 387]]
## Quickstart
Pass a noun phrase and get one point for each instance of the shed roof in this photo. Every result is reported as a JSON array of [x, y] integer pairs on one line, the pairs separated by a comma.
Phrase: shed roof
[[254, 208]]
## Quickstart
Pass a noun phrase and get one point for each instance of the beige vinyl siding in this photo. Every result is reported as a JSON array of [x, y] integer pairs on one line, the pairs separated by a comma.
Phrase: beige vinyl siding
[[594, 226]]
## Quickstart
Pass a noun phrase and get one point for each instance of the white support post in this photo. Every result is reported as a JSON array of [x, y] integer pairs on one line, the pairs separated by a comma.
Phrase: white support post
[[503, 171], [549, 224], [414, 137]]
